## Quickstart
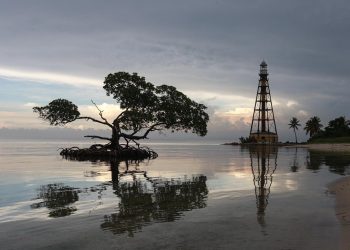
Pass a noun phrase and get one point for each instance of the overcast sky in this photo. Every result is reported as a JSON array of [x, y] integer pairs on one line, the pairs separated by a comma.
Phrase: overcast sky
[[210, 50]]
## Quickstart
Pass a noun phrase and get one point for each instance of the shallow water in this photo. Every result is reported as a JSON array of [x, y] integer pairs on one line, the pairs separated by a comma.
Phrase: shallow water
[[190, 197]]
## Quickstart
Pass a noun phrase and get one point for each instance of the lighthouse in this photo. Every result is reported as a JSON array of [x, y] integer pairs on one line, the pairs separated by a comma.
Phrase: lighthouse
[[263, 127]]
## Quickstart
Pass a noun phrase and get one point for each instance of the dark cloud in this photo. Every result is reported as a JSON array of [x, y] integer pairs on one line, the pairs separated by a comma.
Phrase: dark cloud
[[214, 46]]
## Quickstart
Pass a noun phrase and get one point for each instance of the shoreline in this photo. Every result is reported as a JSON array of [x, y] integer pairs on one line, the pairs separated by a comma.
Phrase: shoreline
[[333, 147], [340, 189]]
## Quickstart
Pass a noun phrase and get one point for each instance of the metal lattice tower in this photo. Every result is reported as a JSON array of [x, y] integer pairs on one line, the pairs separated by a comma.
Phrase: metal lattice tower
[[263, 128]]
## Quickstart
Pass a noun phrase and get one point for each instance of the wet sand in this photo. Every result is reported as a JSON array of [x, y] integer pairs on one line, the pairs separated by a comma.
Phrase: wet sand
[[341, 190]]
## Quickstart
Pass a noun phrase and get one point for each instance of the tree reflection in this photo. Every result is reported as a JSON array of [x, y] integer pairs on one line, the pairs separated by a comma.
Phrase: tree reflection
[[314, 160], [57, 197], [295, 165], [142, 199], [263, 163], [337, 162], [146, 200]]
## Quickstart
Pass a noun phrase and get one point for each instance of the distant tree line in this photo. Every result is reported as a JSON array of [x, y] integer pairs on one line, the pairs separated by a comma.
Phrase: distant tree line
[[339, 127]]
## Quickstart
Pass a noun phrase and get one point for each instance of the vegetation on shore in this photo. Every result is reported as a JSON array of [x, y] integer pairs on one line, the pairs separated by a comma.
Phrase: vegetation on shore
[[343, 139], [337, 131]]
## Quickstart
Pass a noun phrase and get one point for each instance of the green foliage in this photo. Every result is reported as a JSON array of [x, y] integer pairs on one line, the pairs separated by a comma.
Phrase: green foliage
[[146, 108], [130, 90], [337, 131], [58, 112], [146, 105], [313, 126], [338, 127], [177, 112], [294, 123]]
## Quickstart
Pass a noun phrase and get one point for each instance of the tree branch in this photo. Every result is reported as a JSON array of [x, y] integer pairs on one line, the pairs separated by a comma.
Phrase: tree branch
[[122, 113], [100, 113], [98, 137], [94, 120], [116, 120], [144, 136]]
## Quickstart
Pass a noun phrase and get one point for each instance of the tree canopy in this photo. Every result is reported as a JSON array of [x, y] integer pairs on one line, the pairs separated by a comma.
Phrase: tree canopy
[[313, 126], [338, 127], [58, 112], [145, 108]]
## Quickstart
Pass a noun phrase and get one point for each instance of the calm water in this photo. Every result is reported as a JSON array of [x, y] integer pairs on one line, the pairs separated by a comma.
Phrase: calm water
[[190, 197]]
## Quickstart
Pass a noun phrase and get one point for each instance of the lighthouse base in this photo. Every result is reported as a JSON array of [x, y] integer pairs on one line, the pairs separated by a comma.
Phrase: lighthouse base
[[268, 138]]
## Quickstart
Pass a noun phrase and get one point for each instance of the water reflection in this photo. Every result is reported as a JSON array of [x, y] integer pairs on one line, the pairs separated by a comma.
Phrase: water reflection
[[146, 200], [263, 163], [142, 200], [337, 162], [57, 198], [295, 165], [314, 160]]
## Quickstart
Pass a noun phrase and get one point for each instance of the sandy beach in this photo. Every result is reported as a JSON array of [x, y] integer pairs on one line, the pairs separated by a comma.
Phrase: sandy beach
[[335, 147], [341, 190]]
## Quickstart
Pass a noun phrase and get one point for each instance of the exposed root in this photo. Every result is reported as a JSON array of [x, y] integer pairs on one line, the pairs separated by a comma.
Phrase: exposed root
[[104, 152]]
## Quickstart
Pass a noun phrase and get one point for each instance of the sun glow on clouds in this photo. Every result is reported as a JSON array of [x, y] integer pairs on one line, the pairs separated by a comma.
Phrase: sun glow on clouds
[[216, 99], [303, 113], [31, 104], [24, 116], [47, 77], [109, 111], [291, 103], [241, 115]]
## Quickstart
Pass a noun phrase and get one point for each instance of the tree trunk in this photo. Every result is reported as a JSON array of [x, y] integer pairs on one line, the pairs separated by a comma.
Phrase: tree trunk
[[295, 134], [115, 140]]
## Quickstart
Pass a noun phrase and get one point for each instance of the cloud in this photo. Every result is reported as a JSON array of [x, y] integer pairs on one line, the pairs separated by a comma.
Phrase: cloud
[[109, 110], [23, 117], [303, 114], [236, 116], [291, 103], [30, 104], [20, 119], [46, 77], [210, 50]]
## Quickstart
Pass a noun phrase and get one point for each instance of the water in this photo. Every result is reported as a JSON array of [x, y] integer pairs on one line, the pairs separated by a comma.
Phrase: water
[[191, 197]]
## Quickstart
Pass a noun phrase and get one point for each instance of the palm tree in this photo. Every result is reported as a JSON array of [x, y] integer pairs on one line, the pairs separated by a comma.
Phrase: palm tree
[[294, 123], [313, 126]]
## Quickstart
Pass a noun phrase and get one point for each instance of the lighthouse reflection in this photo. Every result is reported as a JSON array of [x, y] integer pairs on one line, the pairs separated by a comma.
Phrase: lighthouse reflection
[[263, 160]]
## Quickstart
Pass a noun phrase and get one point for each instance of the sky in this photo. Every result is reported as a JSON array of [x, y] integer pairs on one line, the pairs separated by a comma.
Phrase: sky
[[209, 50]]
